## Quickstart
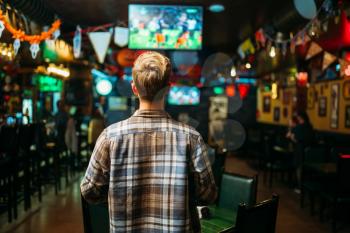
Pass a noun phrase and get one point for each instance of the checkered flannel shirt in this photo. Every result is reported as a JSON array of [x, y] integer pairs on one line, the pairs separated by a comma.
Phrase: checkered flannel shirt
[[143, 167]]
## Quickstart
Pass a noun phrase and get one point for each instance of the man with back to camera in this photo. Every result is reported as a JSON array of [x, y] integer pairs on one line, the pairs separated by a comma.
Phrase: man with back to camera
[[150, 167]]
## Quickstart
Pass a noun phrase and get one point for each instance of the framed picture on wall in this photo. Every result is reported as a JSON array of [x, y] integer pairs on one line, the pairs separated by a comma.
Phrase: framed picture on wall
[[311, 97], [346, 90], [276, 114], [266, 103], [285, 112], [347, 116], [286, 97], [334, 105], [322, 106]]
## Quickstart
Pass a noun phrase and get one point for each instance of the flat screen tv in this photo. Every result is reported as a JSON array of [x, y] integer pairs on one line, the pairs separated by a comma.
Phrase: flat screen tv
[[184, 95], [165, 27]]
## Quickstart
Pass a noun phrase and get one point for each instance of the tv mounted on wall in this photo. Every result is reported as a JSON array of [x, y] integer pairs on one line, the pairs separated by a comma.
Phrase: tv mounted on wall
[[165, 27]]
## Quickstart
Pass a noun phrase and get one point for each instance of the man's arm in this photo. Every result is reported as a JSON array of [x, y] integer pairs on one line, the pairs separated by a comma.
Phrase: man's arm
[[205, 188], [94, 186]]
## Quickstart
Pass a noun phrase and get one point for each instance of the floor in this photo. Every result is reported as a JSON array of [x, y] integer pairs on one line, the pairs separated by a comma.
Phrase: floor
[[62, 213]]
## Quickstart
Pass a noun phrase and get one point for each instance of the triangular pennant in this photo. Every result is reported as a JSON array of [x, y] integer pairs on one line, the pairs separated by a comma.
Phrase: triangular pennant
[[328, 59], [77, 42], [121, 36], [100, 41], [313, 50]]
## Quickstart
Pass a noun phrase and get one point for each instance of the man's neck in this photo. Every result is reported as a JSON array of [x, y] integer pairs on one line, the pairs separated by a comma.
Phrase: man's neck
[[151, 105]]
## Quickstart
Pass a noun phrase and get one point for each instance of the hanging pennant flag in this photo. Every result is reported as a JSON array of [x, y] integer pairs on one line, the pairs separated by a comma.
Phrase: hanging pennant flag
[[328, 59], [100, 41], [16, 46], [313, 50], [292, 46], [77, 42], [121, 36], [260, 37], [34, 49], [2, 27]]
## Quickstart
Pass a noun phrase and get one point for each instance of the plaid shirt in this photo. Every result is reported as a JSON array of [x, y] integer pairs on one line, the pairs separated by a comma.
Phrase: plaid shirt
[[142, 166]]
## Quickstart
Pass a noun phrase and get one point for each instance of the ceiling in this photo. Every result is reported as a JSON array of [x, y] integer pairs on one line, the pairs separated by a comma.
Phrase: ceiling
[[222, 31]]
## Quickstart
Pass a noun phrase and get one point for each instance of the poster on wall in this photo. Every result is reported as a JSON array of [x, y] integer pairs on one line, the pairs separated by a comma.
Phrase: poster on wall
[[334, 106], [347, 116], [267, 103], [311, 98], [322, 106], [346, 90], [276, 114], [286, 97]]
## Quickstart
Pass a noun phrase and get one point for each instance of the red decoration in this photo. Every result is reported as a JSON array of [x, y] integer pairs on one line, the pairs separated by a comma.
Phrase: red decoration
[[230, 91], [126, 57], [302, 78], [243, 90]]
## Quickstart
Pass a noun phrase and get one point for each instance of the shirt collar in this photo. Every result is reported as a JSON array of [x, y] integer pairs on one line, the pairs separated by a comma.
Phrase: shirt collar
[[151, 114]]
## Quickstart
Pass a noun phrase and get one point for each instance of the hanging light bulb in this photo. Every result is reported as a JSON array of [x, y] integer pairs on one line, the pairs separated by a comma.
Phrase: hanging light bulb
[[233, 71], [272, 52], [248, 65]]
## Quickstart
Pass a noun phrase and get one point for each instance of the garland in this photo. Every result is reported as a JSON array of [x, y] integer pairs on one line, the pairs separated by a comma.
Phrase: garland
[[32, 39]]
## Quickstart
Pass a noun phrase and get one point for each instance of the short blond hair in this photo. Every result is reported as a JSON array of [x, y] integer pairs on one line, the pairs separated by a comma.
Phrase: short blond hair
[[151, 75]]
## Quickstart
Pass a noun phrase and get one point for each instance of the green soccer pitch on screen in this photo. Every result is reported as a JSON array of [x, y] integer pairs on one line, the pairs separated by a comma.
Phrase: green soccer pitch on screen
[[165, 27]]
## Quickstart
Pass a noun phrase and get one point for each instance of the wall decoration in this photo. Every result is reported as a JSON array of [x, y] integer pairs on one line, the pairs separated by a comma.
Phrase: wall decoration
[[346, 90], [218, 108], [322, 106], [267, 103], [100, 42], [314, 49], [286, 97], [276, 114], [311, 97], [285, 112], [334, 105], [347, 116]]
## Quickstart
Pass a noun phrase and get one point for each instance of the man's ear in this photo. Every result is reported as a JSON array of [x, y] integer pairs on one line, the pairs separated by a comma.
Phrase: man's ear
[[134, 89]]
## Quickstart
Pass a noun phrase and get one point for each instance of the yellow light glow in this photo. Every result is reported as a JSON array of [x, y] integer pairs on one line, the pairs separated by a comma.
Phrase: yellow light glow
[[233, 71], [248, 65], [274, 91], [58, 70], [272, 52]]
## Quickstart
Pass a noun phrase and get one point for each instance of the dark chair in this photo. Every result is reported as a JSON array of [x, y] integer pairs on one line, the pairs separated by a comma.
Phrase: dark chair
[[311, 181], [260, 218], [337, 191], [235, 189], [95, 217], [6, 194]]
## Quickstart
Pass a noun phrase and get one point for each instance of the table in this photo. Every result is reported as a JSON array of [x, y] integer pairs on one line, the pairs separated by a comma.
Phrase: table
[[323, 168]]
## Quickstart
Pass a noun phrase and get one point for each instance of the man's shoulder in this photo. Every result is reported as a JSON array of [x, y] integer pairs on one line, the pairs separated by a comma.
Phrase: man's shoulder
[[184, 128], [132, 125]]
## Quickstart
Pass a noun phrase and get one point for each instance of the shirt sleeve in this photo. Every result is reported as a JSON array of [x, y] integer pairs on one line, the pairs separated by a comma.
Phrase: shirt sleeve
[[94, 186], [205, 188]]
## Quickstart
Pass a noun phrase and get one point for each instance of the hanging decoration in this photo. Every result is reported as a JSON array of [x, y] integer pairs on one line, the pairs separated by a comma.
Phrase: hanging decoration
[[313, 50], [344, 68], [34, 49], [328, 59], [16, 45], [100, 41], [121, 36], [77, 42], [32, 39]]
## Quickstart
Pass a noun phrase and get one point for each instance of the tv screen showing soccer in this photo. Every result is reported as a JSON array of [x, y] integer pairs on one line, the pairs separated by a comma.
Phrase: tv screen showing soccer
[[165, 27]]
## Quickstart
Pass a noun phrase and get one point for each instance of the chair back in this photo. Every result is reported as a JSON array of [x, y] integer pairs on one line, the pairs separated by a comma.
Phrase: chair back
[[95, 217], [315, 154], [237, 189], [260, 218], [343, 174], [9, 140]]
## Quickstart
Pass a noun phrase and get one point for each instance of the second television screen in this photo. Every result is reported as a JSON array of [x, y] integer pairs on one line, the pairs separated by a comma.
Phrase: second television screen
[[165, 27]]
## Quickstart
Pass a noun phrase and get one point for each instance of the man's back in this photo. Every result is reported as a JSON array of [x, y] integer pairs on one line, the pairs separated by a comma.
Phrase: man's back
[[143, 163]]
